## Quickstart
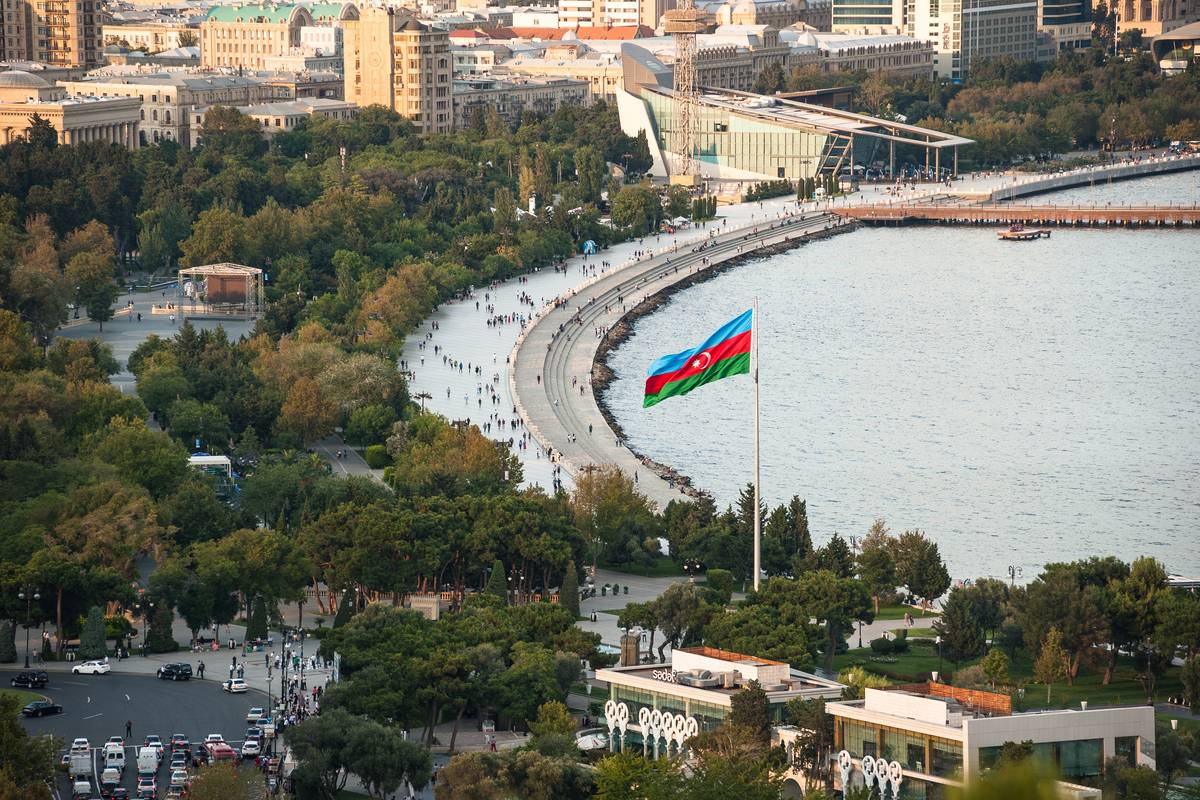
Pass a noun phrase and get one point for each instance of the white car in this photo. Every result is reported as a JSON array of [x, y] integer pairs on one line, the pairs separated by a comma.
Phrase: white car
[[80, 745], [234, 685], [214, 738], [254, 714], [91, 668], [251, 748], [179, 777]]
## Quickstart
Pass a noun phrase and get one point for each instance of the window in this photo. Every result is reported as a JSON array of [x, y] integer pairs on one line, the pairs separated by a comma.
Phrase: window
[[1126, 749]]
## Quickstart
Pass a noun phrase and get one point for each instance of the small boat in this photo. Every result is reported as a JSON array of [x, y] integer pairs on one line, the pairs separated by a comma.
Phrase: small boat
[[1019, 233]]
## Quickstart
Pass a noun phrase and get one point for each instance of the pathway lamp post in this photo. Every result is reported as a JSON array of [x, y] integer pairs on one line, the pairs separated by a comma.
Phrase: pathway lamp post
[[939, 646], [1014, 572], [28, 594], [145, 608]]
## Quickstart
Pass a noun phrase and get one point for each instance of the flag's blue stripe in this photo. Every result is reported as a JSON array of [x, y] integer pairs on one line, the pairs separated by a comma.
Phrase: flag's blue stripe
[[672, 363]]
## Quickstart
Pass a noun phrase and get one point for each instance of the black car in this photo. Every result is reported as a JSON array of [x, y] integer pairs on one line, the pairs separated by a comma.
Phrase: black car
[[175, 672], [40, 708], [31, 679]]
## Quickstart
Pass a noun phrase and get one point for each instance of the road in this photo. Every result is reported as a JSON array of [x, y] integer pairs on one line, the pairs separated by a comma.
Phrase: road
[[553, 359], [97, 707]]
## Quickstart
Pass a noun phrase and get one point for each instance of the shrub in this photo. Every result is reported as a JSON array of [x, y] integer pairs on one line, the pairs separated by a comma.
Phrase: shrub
[[92, 641], [972, 677], [376, 456], [160, 639], [900, 643], [8, 645], [882, 646]]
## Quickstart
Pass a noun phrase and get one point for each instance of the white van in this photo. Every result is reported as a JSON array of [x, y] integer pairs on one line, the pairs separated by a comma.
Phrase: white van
[[147, 761], [114, 757], [81, 789], [109, 779]]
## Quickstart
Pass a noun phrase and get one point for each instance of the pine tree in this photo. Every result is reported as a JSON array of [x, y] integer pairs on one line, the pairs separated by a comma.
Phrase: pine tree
[[798, 522], [345, 609], [8, 645], [962, 636], [92, 642], [496, 585], [568, 595], [160, 639]]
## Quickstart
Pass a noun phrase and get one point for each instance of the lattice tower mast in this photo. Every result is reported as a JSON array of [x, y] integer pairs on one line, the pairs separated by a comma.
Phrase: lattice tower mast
[[683, 23]]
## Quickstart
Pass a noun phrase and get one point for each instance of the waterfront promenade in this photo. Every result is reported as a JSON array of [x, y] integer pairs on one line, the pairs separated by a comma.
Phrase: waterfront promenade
[[552, 376]]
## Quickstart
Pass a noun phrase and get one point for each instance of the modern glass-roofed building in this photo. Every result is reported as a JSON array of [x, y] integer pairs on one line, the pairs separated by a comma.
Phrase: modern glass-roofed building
[[744, 136], [653, 706]]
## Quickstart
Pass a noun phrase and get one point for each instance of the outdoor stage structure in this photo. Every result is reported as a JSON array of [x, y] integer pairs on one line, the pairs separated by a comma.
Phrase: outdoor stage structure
[[221, 290]]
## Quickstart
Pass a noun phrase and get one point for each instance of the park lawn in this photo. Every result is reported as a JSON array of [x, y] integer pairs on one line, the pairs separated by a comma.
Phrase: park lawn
[[898, 612], [921, 659], [22, 696], [917, 633], [616, 612], [662, 567], [1185, 724]]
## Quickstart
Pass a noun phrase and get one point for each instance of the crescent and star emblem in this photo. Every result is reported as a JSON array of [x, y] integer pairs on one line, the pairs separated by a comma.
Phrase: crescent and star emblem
[[701, 361]]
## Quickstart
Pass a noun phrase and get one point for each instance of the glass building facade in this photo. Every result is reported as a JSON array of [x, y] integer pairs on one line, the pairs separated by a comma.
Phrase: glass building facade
[[728, 139], [709, 716], [916, 752], [1080, 758]]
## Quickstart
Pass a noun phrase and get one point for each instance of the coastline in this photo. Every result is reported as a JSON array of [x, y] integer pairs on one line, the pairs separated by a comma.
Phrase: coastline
[[622, 330]]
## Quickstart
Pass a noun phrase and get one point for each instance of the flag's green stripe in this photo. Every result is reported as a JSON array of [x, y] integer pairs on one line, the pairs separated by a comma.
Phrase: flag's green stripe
[[735, 365]]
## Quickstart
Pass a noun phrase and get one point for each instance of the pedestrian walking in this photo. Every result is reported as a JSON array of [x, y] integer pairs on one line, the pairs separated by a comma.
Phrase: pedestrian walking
[[200, 670], [128, 729]]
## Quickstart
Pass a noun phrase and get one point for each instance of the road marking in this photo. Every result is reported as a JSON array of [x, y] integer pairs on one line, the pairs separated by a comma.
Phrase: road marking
[[93, 716], [89, 699], [126, 697]]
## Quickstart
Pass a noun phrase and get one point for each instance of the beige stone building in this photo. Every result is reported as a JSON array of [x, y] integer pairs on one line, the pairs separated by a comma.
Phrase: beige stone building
[[76, 119], [393, 60], [243, 36], [154, 36], [515, 97], [586, 13], [58, 32], [164, 100], [903, 56], [281, 116], [1155, 17]]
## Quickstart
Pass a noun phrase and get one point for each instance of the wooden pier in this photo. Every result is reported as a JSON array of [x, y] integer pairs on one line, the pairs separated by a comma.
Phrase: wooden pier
[[1166, 216]]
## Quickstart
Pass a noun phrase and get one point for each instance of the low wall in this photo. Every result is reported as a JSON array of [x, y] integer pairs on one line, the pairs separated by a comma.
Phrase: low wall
[[1098, 174]]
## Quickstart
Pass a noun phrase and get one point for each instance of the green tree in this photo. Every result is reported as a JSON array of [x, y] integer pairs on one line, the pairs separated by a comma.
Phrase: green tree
[[553, 719], [91, 274], [1189, 675], [370, 424], [92, 642], [995, 665], [837, 603], [384, 761], [191, 420], [497, 583], [624, 776], [919, 566], [568, 594], [1051, 663], [8, 645], [256, 627], [751, 709], [145, 457], [227, 131], [877, 571], [638, 209], [159, 638], [29, 760], [962, 636], [345, 609]]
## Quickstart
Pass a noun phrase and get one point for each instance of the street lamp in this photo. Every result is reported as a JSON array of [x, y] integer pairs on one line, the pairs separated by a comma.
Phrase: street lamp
[[939, 644], [28, 594], [691, 567], [1013, 573]]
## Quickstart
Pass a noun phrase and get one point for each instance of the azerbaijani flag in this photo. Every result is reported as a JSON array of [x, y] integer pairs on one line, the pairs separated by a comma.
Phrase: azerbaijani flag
[[725, 353]]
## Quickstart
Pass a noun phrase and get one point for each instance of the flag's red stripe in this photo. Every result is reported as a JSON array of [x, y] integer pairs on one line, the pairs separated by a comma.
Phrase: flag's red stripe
[[732, 346]]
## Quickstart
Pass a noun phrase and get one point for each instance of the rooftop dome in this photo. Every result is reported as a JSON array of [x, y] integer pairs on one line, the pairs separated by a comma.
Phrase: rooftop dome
[[16, 79]]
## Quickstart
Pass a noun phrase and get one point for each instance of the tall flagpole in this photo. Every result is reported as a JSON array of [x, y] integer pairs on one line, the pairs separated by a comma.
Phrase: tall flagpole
[[757, 328]]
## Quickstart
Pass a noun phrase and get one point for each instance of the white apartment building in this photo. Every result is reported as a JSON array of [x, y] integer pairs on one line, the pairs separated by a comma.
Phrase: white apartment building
[[934, 737], [587, 13], [966, 31]]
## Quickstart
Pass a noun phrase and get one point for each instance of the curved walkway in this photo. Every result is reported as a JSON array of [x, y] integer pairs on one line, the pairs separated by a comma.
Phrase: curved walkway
[[552, 360]]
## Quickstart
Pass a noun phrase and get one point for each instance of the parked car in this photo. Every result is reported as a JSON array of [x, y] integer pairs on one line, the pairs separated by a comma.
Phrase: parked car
[[30, 679], [255, 714], [40, 708], [175, 672], [91, 668], [234, 685]]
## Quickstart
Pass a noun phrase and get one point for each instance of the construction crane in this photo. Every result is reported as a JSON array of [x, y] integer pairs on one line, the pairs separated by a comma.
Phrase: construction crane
[[683, 23]]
